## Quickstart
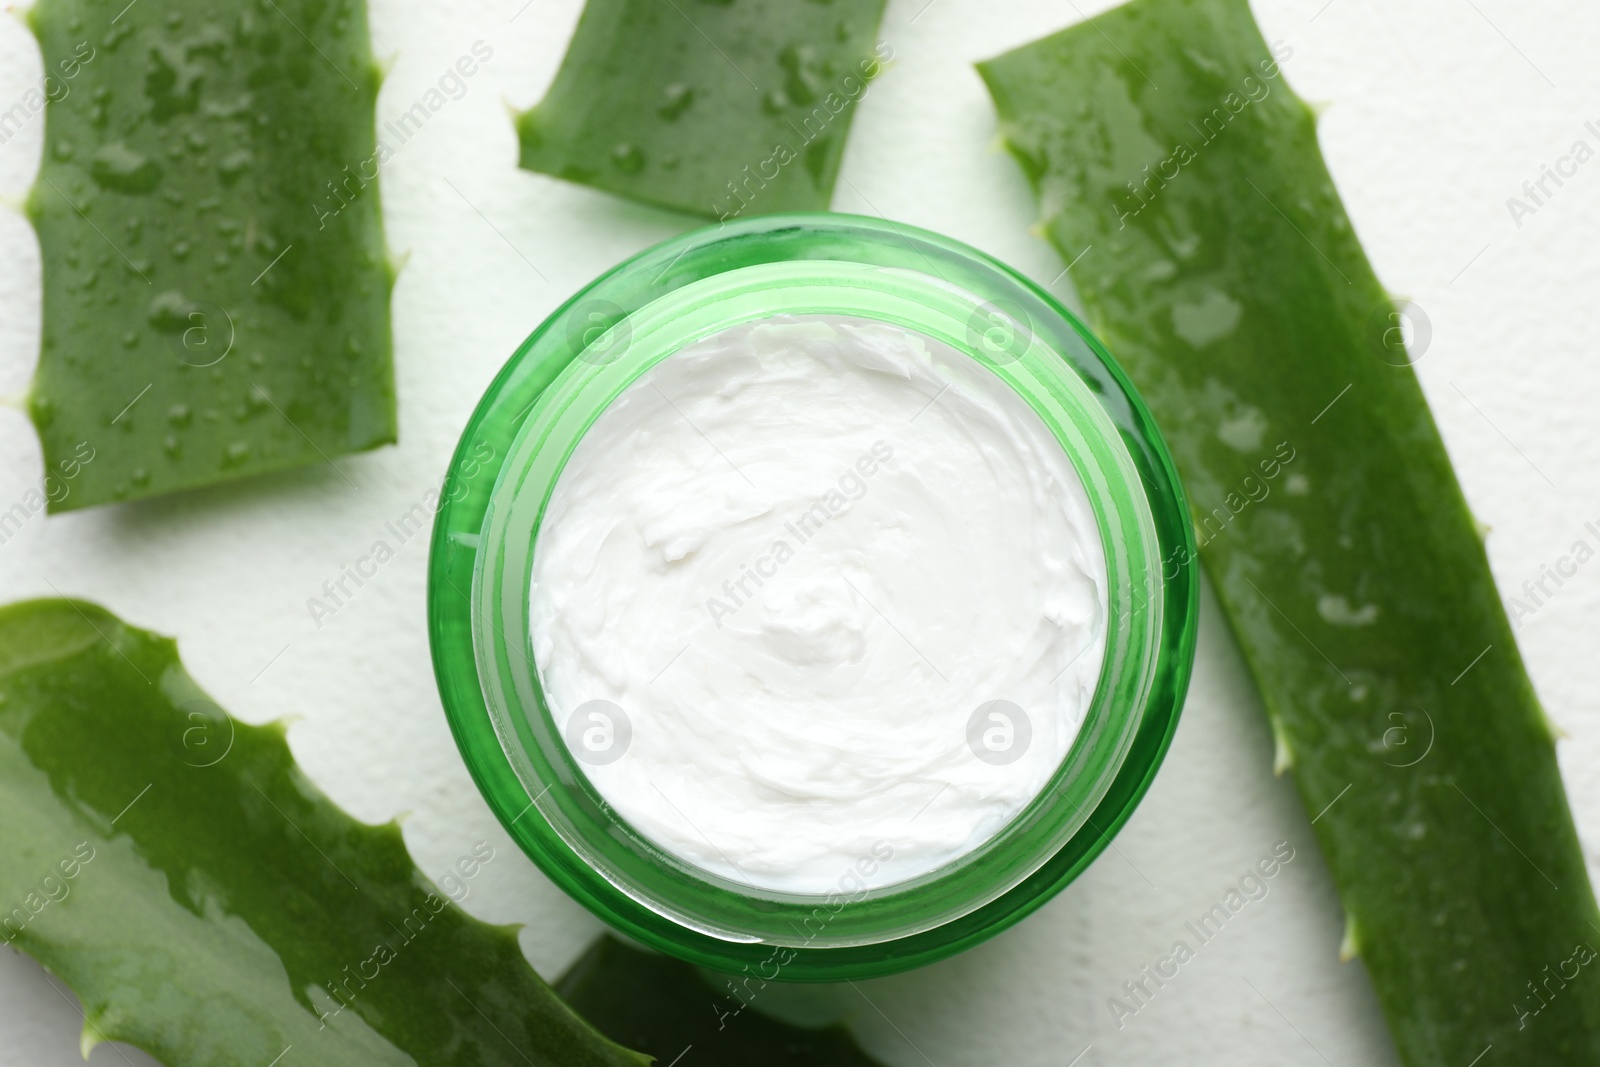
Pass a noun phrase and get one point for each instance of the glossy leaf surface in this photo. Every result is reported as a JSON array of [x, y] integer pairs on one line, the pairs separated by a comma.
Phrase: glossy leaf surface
[[1181, 177], [207, 902], [713, 107], [669, 1009], [216, 290]]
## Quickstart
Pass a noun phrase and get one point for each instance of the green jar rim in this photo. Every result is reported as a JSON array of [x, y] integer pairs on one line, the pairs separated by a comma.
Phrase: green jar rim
[[574, 365]]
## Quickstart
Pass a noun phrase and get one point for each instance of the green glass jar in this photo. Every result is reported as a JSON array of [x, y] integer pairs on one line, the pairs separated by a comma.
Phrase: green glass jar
[[577, 362]]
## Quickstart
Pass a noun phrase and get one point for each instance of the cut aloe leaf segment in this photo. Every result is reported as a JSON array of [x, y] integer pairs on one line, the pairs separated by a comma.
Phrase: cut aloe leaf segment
[[207, 903], [1181, 177], [720, 108], [216, 289], [663, 1006]]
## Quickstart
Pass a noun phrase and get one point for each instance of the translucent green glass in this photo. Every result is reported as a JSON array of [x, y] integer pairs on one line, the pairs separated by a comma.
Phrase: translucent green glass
[[565, 375]]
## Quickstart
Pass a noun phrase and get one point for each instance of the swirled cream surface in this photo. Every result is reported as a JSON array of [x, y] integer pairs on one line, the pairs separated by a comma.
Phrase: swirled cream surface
[[818, 591]]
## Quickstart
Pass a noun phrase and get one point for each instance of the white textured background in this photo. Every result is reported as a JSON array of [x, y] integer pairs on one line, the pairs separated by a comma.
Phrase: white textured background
[[1440, 110]]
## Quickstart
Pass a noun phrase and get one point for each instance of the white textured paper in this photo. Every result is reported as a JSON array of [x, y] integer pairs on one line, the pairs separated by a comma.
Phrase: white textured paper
[[1441, 109]]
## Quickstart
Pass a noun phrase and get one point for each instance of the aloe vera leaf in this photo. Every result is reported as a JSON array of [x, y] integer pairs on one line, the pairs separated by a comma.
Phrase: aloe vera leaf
[[712, 107], [207, 902], [216, 287], [662, 1006], [1234, 289]]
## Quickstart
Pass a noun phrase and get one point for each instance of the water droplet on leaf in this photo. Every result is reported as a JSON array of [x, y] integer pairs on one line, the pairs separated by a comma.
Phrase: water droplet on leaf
[[629, 158], [116, 166], [675, 100]]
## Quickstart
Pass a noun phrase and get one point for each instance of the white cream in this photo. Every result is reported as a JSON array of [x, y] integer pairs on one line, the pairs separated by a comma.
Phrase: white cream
[[800, 555]]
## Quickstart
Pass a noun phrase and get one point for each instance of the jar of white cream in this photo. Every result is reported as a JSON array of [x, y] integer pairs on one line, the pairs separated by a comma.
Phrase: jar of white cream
[[812, 596]]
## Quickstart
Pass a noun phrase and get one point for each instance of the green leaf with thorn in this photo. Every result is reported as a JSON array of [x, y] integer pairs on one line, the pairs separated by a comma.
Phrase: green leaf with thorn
[[1181, 177], [718, 108], [216, 289], [206, 901]]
